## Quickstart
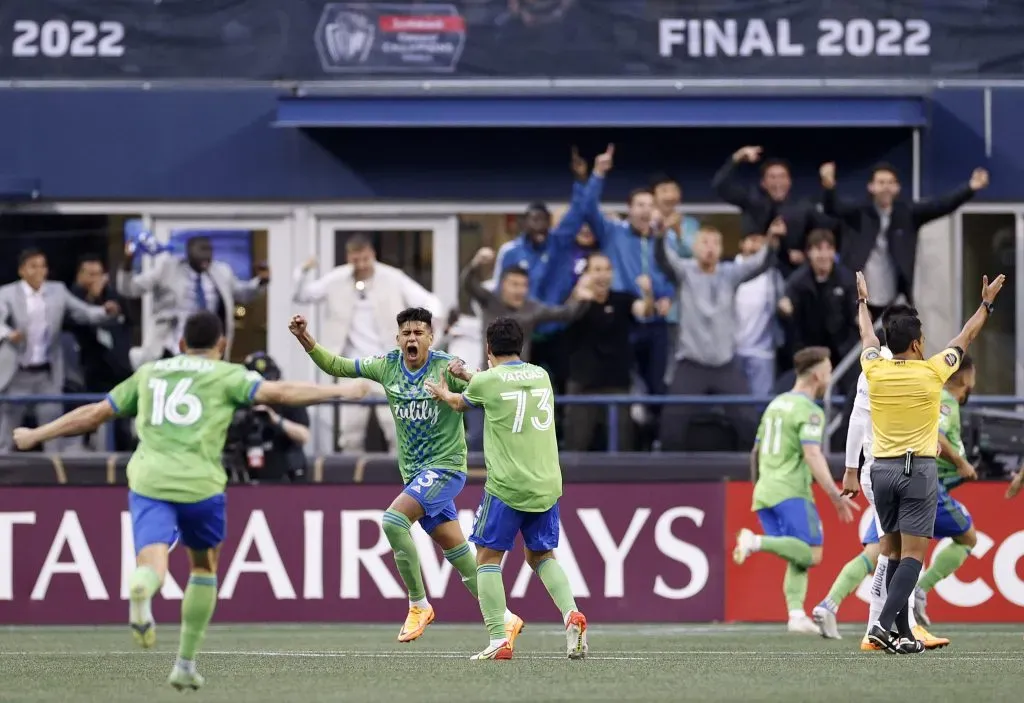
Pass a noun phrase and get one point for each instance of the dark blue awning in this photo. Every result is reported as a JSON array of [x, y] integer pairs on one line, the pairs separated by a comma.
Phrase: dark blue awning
[[881, 111], [18, 188]]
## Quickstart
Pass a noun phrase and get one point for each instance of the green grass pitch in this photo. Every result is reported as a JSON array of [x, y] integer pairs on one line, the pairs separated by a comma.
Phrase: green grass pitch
[[314, 663]]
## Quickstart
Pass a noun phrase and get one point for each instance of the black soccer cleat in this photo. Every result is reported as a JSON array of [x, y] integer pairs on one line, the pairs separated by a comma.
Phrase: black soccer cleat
[[882, 639], [909, 646]]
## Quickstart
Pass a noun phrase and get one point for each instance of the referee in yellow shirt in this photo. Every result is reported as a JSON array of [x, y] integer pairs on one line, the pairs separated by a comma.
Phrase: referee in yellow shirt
[[904, 392]]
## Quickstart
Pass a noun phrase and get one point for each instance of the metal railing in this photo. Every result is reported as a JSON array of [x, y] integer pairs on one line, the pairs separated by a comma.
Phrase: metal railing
[[614, 403]]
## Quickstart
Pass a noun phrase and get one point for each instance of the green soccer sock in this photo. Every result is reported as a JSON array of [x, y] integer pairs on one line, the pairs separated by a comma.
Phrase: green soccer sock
[[396, 529], [855, 571], [946, 562], [145, 579], [554, 579], [794, 586], [462, 559], [492, 599], [789, 548], [196, 610]]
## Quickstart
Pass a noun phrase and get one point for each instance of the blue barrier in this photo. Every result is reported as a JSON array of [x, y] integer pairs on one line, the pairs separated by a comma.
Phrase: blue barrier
[[612, 401]]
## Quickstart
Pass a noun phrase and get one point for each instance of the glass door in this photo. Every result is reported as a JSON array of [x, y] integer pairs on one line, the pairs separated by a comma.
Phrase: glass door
[[424, 248], [243, 245]]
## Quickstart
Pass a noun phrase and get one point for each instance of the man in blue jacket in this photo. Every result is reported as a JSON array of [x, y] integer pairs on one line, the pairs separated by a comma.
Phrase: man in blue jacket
[[630, 245], [549, 255]]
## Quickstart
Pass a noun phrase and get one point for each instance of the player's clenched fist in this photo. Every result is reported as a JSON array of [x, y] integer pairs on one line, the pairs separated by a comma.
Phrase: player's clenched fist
[[457, 368], [24, 438], [297, 325]]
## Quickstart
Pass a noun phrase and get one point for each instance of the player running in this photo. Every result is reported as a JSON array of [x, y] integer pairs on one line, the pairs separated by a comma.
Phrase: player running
[[524, 482], [786, 455], [859, 438], [951, 518], [182, 407], [431, 456]]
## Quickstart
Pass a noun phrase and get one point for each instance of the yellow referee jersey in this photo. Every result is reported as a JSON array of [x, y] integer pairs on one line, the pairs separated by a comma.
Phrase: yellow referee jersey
[[905, 395]]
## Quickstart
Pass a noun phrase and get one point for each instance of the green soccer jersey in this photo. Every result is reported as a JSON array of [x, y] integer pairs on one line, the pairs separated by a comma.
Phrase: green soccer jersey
[[949, 427], [430, 434], [520, 446], [182, 408], [790, 422]]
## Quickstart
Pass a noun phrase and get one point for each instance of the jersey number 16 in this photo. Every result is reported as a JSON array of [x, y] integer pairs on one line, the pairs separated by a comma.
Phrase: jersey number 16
[[179, 407], [543, 396]]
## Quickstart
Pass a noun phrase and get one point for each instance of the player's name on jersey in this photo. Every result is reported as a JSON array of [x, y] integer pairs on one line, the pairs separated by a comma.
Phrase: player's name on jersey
[[185, 363], [521, 374]]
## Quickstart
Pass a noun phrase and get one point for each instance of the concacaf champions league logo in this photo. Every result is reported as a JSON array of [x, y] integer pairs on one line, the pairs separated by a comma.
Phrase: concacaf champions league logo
[[348, 37]]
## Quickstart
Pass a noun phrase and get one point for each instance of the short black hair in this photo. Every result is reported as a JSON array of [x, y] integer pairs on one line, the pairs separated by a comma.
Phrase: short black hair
[[892, 312], [415, 315], [769, 163], [663, 179], [596, 255], [203, 330], [505, 337], [538, 207], [819, 236], [29, 253], [637, 192], [358, 242], [90, 259], [199, 239], [883, 167], [901, 332], [514, 270]]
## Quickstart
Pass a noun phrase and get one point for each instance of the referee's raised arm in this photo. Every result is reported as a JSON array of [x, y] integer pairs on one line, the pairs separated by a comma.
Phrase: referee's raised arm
[[868, 338], [973, 326]]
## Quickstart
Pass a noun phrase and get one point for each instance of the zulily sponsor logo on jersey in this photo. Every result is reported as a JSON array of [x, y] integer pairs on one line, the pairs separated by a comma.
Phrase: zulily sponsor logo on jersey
[[419, 410]]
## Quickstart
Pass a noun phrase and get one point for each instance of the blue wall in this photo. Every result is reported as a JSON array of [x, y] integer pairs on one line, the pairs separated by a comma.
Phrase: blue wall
[[209, 145]]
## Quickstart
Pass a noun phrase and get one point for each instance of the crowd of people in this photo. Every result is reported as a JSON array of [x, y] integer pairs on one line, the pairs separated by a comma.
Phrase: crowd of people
[[644, 304]]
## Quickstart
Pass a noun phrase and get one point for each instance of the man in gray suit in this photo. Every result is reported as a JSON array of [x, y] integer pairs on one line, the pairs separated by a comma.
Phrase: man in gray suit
[[32, 313], [181, 287]]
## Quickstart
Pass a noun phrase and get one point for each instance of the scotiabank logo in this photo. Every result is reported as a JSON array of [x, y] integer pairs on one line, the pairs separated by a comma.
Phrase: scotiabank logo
[[302, 559]]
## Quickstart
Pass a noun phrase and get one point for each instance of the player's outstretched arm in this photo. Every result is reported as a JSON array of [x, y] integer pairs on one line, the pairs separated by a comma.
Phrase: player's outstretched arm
[[79, 421], [330, 364], [989, 292], [868, 338], [301, 393], [1016, 484], [440, 390], [815, 459]]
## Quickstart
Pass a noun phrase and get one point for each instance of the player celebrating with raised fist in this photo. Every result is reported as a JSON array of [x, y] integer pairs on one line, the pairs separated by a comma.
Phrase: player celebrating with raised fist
[[431, 455]]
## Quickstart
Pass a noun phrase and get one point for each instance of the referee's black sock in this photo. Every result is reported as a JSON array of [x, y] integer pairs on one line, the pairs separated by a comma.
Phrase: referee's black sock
[[901, 585], [890, 572], [903, 623]]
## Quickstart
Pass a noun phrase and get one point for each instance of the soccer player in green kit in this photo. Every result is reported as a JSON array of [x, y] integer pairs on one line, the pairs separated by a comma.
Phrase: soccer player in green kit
[[524, 482], [431, 455], [183, 407], [785, 457], [951, 518]]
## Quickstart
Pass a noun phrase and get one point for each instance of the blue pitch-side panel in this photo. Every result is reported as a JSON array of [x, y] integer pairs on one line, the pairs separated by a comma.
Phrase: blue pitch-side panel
[[601, 112]]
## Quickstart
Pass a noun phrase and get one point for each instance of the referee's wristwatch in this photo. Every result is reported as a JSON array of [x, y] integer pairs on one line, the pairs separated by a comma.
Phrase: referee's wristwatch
[[989, 307]]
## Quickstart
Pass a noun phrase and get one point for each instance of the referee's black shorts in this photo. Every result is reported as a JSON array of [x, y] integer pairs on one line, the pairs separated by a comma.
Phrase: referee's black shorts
[[906, 504]]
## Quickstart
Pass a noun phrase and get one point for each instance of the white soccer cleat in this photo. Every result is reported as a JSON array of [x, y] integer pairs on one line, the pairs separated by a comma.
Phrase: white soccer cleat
[[499, 651], [825, 619], [576, 636], [746, 544], [921, 606], [140, 618], [802, 625]]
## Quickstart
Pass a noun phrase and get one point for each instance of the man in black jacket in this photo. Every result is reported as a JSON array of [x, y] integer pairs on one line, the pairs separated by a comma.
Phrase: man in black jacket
[[821, 300], [769, 200], [883, 243]]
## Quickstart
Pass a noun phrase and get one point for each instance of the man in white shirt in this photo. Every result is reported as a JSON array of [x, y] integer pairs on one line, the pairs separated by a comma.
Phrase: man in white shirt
[[758, 332], [32, 312], [362, 298]]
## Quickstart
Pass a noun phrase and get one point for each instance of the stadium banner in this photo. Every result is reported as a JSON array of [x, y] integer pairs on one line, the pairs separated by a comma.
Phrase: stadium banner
[[989, 587], [309, 554], [317, 40]]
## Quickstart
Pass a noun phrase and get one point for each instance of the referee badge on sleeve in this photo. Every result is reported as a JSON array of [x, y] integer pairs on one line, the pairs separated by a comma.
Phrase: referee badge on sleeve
[[950, 359], [871, 355]]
